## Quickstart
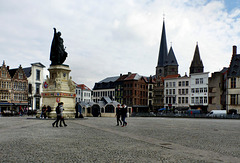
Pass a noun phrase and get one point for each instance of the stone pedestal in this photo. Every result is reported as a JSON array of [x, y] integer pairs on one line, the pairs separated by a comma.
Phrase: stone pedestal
[[59, 87]]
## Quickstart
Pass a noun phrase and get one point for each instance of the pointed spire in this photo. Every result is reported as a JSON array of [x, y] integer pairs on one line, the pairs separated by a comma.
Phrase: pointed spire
[[171, 59], [3, 62], [197, 64], [163, 48]]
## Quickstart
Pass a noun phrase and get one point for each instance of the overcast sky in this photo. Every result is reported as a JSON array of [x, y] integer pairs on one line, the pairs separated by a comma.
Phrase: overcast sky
[[107, 37]]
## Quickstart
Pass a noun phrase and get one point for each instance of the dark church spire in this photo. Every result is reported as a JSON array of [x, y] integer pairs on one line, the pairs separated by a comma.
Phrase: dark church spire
[[163, 48], [163, 51], [171, 59], [196, 65]]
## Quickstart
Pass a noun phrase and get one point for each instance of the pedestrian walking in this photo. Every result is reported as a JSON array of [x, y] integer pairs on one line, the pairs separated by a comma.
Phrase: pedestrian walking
[[49, 109], [58, 112], [124, 114], [61, 112], [44, 112], [118, 115]]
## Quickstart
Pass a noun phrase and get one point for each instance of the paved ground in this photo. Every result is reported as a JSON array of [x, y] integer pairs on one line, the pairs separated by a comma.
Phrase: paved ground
[[99, 140]]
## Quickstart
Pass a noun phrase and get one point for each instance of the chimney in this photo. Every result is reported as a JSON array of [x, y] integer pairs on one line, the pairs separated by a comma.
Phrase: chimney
[[129, 73], [7, 67], [234, 50]]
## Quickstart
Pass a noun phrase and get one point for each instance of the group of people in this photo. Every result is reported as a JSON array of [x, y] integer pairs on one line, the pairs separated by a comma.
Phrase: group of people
[[121, 114], [45, 111], [59, 112]]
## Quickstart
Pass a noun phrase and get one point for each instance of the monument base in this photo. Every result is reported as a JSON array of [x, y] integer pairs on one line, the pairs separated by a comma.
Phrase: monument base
[[59, 88]]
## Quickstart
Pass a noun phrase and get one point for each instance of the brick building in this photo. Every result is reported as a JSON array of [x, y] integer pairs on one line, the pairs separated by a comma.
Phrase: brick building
[[13, 89]]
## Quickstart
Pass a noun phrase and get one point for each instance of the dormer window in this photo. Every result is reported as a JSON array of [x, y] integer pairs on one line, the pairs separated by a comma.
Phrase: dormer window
[[20, 75]]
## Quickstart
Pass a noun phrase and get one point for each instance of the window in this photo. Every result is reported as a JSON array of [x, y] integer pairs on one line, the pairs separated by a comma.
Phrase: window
[[197, 90], [173, 91], [183, 91], [234, 99], [186, 91], [196, 81], [179, 84], [192, 99], [166, 91], [201, 80], [174, 100], [183, 83], [201, 90], [20, 75], [205, 100], [197, 100], [179, 100], [37, 74], [186, 100], [183, 100], [170, 91], [233, 82], [187, 83], [201, 100], [166, 84], [192, 90], [37, 88], [170, 84], [205, 89], [173, 84], [4, 73], [179, 91], [37, 105]]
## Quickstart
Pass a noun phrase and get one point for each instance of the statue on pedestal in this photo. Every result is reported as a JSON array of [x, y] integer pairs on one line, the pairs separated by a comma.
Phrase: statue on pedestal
[[58, 54]]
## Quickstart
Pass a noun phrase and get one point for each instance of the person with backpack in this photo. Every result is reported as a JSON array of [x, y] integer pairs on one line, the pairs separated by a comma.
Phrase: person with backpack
[[61, 114], [58, 112]]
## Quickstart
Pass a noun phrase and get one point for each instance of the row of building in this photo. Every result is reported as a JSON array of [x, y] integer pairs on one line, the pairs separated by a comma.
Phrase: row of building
[[21, 88], [168, 90]]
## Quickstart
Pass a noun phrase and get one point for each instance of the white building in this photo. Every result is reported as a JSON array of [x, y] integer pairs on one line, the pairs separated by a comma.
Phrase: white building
[[170, 93], [183, 92], [199, 91], [177, 92], [83, 93], [35, 83]]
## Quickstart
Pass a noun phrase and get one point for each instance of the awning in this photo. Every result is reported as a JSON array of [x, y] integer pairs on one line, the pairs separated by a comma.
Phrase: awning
[[162, 109], [182, 108], [6, 103]]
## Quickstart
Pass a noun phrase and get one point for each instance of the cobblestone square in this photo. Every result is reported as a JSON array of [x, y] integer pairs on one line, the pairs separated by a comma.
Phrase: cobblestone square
[[26, 139]]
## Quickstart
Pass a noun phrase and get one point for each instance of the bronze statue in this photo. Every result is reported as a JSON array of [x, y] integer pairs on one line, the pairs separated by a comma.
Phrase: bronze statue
[[58, 54]]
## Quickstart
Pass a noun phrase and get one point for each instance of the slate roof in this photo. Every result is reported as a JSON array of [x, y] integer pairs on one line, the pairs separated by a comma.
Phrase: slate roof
[[134, 76], [163, 50], [196, 62], [171, 59], [12, 72], [109, 79], [234, 69], [27, 71]]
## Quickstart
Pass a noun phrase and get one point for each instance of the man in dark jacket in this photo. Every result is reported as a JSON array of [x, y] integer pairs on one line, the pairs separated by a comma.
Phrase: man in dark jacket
[[118, 114], [58, 112], [124, 114]]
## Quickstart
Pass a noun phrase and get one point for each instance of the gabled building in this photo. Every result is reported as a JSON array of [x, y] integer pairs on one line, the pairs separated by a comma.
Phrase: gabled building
[[217, 91], [35, 84], [83, 93], [170, 92], [233, 83], [14, 89]]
